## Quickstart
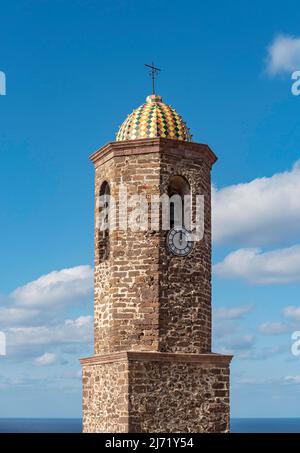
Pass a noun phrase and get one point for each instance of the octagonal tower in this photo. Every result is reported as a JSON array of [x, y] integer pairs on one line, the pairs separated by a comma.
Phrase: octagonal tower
[[153, 369]]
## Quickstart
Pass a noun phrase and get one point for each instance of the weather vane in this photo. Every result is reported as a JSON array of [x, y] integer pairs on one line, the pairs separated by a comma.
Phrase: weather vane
[[153, 74]]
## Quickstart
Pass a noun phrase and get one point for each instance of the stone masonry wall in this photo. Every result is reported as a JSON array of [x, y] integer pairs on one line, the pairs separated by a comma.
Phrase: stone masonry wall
[[127, 282], [178, 397], [153, 370], [146, 298], [105, 397], [185, 283], [147, 393]]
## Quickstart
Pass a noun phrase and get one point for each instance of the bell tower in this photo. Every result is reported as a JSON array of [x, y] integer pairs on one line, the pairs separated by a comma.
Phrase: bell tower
[[153, 369]]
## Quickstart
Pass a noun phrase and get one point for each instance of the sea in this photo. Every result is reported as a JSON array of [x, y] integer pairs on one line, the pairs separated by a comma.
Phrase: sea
[[74, 425]]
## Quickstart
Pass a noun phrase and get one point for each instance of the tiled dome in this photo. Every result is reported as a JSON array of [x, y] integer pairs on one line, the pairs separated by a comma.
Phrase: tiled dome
[[154, 119]]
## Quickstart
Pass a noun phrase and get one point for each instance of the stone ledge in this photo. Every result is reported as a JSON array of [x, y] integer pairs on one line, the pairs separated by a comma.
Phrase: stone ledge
[[189, 150], [157, 357]]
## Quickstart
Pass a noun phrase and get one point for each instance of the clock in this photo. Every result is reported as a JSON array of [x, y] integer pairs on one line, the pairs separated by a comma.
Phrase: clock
[[179, 241]]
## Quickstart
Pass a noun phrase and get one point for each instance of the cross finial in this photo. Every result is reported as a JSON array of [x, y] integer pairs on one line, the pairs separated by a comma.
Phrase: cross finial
[[153, 73]]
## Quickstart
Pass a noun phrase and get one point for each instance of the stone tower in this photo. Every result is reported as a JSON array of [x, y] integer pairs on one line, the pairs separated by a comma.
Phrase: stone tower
[[153, 369]]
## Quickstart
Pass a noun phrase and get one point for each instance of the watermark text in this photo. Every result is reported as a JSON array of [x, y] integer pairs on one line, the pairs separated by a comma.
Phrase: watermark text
[[2, 84]]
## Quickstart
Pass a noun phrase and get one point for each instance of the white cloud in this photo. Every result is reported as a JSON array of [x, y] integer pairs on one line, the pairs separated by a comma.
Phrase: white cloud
[[225, 322], [41, 321], [263, 211], [245, 348], [46, 298], [49, 358], [240, 343], [269, 352], [283, 55], [72, 374], [224, 327], [240, 346], [259, 381], [77, 330], [273, 328], [17, 315], [233, 312], [292, 312], [292, 379], [57, 287], [245, 381], [254, 266], [67, 381], [13, 381]]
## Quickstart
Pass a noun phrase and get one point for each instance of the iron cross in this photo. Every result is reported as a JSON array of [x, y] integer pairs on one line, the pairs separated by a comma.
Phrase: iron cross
[[153, 75]]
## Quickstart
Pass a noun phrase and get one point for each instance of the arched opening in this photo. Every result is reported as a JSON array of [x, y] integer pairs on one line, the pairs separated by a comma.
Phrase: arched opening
[[104, 216], [178, 189]]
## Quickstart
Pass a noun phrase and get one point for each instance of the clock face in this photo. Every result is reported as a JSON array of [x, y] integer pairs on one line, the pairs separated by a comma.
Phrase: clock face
[[179, 241]]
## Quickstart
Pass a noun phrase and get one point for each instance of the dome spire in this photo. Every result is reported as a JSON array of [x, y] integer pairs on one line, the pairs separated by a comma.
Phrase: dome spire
[[153, 74]]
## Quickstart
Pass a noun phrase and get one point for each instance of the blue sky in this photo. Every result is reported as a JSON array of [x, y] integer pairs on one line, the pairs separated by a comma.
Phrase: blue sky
[[74, 70]]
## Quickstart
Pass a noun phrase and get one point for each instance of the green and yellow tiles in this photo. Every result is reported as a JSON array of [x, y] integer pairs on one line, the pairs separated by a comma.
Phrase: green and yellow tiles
[[154, 119]]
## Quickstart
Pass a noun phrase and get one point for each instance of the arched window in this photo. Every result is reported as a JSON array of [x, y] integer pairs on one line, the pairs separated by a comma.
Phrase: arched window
[[104, 208], [104, 217], [178, 188]]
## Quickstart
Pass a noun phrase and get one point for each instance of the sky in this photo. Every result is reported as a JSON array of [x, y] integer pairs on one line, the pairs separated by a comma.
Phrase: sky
[[74, 70]]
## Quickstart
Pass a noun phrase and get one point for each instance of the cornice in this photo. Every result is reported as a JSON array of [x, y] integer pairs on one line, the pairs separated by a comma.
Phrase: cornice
[[145, 356], [187, 150]]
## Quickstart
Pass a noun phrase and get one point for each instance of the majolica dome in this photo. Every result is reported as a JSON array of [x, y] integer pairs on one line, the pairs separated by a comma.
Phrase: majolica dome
[[154, 119]]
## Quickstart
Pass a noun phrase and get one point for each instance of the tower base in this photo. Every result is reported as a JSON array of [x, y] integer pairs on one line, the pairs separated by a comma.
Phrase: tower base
[[148, 392]]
